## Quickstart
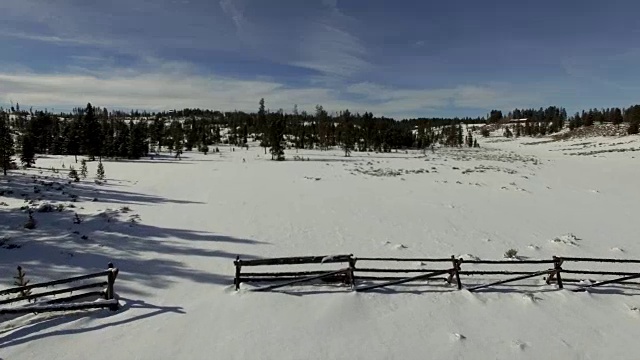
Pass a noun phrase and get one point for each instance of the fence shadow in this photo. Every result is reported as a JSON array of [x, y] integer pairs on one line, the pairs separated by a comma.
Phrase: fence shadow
[[107, 319]]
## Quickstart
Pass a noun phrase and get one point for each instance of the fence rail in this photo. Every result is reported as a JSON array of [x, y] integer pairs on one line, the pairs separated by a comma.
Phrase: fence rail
[[64, 303], [550, 270]]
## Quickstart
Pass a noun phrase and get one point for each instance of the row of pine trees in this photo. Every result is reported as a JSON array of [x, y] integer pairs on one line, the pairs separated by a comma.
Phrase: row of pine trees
[[96, 132]]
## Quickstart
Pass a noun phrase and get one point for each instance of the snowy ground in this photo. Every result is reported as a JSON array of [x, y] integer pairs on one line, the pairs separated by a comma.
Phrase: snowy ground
[[187, 220]]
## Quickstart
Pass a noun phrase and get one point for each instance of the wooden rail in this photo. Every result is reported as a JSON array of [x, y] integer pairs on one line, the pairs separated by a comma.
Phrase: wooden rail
[[552, 273], [62, 304]]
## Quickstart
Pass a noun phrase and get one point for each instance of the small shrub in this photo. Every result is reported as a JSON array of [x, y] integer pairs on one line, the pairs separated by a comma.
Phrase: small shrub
[[60, 207], [511, 254], [46, 208], [77, 219], [31, 223], [21, 280], [5, 243], [633, 128], [73, 175]]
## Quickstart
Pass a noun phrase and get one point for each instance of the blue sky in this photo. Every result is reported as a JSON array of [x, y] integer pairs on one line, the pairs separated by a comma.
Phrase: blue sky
[[401, 58]]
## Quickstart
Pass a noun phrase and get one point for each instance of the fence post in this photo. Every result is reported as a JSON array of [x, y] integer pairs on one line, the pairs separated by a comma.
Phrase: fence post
[[557, 268], [557, 265], [238, 265], [111, 280], [455, 271], [351, 277]]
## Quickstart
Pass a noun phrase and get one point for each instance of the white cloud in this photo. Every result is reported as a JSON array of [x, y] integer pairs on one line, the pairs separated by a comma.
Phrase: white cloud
[[169, 85]]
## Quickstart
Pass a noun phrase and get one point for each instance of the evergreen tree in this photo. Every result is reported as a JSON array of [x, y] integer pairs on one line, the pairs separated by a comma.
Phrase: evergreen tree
[[6, 145], [276, 130], [588, 118], [22, 281], [28, 153], [616, 116], [100, 172], [262, 124], [73, 137], [347, 133], [91, 134], [83, 168]]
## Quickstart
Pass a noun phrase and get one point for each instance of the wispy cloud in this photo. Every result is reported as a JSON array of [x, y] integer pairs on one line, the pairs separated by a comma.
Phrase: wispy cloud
[[57, 39], [168, 85]]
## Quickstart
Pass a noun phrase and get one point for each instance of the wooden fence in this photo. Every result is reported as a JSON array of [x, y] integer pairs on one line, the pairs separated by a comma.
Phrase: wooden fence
[[106, 291], [449, 270]]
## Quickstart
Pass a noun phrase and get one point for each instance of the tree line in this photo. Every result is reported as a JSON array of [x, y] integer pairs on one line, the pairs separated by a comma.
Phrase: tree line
[[553, 119], [96, 132]]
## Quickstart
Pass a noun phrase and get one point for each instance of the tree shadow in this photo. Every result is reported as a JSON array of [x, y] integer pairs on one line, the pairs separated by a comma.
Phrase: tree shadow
[[59, 188], [145, 254], [41, 329]]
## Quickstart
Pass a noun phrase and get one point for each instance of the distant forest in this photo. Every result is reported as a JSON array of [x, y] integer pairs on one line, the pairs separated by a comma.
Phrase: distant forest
[[96, 132]]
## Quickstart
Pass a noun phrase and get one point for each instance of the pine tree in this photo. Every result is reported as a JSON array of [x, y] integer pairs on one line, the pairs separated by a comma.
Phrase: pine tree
[[633, 128], [262, 124], [276, 130], [83, 168], [6, 145], [616, 116], [347, 133], [22, 281], [100, 172], [91, 134], [73, 136], [28, 153]]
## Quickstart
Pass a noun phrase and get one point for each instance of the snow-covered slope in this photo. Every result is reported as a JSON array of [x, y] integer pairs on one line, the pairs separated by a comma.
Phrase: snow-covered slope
[[174, 227]]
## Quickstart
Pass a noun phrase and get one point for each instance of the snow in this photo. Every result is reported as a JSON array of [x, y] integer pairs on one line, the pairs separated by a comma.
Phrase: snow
[[186, 220]]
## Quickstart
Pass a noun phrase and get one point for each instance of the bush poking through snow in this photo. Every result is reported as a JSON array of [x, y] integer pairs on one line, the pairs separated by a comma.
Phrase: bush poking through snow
[[511, 254], [76, 219], [5, 243], [21, 280], [73, 175], [46, 208], [31, 223]]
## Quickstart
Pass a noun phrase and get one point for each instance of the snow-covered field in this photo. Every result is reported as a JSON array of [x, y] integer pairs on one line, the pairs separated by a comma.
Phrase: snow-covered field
[[174, 227]]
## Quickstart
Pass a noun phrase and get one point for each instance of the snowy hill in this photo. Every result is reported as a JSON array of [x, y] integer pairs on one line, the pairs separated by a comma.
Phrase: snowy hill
[[173, 228]]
